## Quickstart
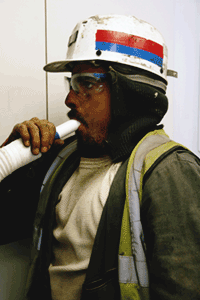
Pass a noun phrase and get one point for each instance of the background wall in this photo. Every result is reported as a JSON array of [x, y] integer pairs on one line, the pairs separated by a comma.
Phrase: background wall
[[22, 52], [24, 86], [186, 61]]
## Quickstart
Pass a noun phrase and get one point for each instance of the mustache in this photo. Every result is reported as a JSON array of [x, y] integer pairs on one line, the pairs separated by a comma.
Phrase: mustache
[[72, 114]]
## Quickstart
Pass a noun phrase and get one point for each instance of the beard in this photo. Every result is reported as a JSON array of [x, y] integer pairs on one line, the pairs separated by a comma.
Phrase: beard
[[89, 148], [91, 138]]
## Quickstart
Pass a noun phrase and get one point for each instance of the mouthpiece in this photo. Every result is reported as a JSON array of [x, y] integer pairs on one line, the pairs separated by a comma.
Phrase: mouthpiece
[[66, 128]]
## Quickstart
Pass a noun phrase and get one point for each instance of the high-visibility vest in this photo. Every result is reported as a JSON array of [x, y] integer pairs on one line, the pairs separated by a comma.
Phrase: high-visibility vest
[[133, 271]]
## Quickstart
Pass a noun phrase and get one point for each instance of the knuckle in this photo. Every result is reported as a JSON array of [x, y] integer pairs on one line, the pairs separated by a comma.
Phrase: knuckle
[[20, 128], [30, 124], [41, 124], [42, 132], [34, 119], [52, 128]]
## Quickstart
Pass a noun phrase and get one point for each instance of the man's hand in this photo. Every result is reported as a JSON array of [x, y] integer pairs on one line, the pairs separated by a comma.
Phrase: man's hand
[[39, 134]]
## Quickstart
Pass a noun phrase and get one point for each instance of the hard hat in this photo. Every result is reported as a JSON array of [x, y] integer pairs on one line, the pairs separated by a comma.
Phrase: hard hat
[[124, 41]]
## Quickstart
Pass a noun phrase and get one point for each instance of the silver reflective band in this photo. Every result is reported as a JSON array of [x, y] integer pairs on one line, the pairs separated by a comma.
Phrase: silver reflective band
[[128, 273], [147, 80]]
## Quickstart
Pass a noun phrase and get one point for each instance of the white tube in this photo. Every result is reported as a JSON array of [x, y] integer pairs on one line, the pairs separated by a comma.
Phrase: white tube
[[67, 128], [16, 155]]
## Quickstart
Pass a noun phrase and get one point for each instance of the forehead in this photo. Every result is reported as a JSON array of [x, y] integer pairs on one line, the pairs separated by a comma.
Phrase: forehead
[[83, 67]]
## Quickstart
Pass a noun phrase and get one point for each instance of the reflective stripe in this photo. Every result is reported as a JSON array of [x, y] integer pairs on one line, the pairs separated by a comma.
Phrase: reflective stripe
[[133, 269], [135, 224], [150, 81], [127, 271], [40, 240], [134, 189]]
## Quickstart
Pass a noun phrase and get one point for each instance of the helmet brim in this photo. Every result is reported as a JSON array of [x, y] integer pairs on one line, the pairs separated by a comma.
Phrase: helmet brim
[[63, 65], [58, 66]]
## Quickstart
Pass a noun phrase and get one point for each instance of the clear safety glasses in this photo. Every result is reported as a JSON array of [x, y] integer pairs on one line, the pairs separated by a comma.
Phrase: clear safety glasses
[[87, 83]]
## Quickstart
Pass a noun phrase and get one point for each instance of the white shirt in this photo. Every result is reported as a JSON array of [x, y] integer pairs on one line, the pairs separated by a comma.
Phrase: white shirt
[[77, 215]]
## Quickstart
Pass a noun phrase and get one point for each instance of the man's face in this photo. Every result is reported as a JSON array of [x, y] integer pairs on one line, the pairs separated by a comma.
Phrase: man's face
[[90, 104]]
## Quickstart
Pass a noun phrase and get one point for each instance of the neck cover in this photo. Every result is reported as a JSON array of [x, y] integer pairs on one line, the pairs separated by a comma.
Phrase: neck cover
[[137, 108]]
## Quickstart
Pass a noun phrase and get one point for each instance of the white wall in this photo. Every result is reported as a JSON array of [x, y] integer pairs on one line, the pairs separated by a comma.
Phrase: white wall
[[22, 96], [187, 63], [22, 88]]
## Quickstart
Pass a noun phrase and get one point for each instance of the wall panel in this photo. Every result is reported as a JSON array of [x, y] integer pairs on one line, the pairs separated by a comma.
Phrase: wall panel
[[186, 60], [22, 80], [22, 96]]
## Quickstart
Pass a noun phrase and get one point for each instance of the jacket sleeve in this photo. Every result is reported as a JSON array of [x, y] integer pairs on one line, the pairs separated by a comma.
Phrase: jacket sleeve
[[19, 196], [170, 214]]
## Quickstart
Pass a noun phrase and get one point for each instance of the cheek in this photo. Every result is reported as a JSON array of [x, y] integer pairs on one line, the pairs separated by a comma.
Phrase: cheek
[[101, 109]]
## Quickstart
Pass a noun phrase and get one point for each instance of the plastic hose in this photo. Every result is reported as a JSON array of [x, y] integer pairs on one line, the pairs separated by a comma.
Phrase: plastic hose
[[16, 155]]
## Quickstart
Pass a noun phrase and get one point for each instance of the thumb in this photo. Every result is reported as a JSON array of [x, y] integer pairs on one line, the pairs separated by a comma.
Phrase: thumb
[[58, 142]]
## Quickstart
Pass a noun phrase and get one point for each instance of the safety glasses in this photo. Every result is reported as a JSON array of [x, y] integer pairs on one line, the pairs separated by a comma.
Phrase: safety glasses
[[87, 83]]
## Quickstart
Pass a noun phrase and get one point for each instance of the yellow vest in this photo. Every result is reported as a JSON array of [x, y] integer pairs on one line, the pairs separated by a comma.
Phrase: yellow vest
[[133, 272]]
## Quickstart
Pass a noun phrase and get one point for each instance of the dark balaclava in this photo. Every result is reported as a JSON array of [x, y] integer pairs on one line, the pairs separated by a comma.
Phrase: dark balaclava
[[137, 108]]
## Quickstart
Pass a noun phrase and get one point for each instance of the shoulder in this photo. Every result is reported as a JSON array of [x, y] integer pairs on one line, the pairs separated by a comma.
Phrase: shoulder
[[180, 163], [173, 184], [170, 215]]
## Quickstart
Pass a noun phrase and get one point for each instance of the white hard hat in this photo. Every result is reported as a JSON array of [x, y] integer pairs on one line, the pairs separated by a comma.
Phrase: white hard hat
[[120, 40]]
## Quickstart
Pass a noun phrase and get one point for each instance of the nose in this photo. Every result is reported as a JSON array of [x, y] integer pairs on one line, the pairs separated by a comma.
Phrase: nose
[[71, 100]]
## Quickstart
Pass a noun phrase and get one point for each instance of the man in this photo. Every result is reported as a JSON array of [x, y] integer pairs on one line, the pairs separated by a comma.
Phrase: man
[[117, 92]]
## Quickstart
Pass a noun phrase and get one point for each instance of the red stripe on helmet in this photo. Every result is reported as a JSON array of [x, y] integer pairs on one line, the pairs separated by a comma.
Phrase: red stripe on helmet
[[129, 40]]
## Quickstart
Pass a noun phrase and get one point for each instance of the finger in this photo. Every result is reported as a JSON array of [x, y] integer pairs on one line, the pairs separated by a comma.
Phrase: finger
[[34, 133], [47, 134], [58, 142], [35, 119], [21, 130], [52, 130]]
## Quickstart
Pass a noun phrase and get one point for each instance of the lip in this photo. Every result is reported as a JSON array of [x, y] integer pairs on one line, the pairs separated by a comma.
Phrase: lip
[[72, 115]]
